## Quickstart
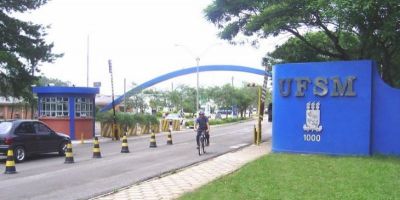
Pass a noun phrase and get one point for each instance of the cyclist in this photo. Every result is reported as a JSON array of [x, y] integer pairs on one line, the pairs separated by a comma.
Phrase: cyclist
[[200, 126]]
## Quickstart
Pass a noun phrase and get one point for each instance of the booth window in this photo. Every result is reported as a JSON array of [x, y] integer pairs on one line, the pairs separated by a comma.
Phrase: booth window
[[83, 107], [54, 107]]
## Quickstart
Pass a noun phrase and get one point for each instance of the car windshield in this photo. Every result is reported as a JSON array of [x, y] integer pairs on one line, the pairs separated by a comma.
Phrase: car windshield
[[5, 127]]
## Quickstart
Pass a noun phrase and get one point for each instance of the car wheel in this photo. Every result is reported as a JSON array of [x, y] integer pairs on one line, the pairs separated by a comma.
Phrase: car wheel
[[19, 154], [62, 149]]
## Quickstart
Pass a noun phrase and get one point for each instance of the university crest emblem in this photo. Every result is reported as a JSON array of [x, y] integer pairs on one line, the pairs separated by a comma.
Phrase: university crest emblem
[[313, 117]]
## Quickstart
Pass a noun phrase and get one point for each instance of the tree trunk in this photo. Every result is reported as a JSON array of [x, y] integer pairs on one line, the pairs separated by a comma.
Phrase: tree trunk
[[32, 110], [26, 111], [12, 111]]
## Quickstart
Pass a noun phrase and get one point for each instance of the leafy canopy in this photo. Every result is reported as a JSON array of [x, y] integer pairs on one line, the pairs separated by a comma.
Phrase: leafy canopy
[[321, 30], [22, 48]]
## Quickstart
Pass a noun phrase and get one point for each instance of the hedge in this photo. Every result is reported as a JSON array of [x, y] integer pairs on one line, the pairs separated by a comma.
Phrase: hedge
[[127, 119], [216, 121]]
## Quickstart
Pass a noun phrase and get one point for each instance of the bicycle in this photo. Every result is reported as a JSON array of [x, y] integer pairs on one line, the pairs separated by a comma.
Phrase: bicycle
[[202, 140]]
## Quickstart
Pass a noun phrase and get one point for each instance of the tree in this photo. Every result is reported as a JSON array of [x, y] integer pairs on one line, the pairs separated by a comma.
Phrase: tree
[[332, 30], [137, 101], [244, 98], [189, 99], [158, 99], [44, 81], [224, 97], [175, 100], [22, 48], [294, 50]]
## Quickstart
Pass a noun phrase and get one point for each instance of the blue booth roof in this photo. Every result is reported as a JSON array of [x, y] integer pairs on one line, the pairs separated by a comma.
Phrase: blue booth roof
[[65, 90]]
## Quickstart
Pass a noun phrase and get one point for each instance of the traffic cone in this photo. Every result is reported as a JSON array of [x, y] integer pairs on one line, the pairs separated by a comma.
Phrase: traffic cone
[[10, 164], [153, 143], [125, 148], [96, 148], [169, 137], [69, 158]]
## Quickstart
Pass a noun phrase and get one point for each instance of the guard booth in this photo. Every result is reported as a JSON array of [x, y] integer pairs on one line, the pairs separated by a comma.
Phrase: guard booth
[[69, 110]]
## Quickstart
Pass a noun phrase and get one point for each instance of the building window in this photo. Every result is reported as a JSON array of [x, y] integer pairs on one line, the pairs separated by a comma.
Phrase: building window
[[83, 107], [54, 107]]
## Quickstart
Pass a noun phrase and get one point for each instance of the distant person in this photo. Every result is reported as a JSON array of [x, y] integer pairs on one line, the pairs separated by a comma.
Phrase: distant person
[[200, 126], [270, 112]]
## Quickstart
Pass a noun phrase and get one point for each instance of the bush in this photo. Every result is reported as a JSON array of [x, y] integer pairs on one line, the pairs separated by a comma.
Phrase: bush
[[189, 123], [127, 119], [104, 116], [224, 121], [216, 121]]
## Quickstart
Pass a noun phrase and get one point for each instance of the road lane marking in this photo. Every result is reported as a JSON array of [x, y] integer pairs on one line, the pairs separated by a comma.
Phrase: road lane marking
[[238, 146]]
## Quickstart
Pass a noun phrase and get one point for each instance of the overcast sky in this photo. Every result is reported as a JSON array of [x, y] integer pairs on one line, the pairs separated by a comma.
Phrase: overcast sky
[[139, 36]]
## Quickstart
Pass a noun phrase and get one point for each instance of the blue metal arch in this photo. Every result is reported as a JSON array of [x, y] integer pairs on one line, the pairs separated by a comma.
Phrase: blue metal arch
[[182, 72]]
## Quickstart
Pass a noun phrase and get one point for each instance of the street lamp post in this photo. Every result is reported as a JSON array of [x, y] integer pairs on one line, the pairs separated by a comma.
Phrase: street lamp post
[[197, 86], [197, 58], [87, 62]]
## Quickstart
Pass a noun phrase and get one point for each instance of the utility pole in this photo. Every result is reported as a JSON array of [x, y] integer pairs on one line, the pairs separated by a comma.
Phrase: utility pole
[[124, 95], [262, 93], [114, 126], [197, 86], [87, 62], [32, 106], [232, 99], [260, 115], [197, 58]]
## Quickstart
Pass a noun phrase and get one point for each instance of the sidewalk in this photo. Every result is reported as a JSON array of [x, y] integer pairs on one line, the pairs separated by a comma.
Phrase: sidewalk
[[188, 179]]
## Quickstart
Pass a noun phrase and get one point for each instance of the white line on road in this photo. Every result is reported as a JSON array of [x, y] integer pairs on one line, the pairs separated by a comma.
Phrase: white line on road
[[238, 146]]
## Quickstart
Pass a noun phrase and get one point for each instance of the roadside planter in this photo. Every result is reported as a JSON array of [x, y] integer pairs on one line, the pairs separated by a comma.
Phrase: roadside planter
[[134, 124], [165, 124]]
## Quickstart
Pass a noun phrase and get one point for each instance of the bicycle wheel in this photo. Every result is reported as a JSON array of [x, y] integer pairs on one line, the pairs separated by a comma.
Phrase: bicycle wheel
[[202, 145], [199, 149]]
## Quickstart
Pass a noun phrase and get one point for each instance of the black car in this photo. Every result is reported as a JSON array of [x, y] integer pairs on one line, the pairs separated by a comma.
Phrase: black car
[[28, 137]]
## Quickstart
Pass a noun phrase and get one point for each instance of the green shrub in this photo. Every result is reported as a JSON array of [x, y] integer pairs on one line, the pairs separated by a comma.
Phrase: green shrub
[[104, 116], [225, 120], [216, 121], [150, 119], [189, 123], [127, 119]]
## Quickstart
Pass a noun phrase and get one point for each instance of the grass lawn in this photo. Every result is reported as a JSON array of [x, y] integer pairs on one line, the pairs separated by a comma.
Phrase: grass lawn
[[295, 176]]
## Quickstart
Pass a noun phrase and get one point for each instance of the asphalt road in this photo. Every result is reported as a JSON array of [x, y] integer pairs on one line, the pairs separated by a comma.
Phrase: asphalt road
[[47, 177]]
